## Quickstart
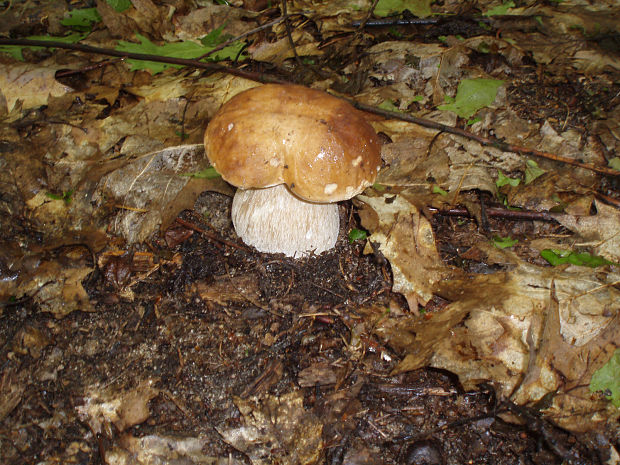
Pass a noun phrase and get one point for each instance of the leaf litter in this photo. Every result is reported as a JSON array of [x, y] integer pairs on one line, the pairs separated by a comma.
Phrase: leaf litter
[[136, 337]]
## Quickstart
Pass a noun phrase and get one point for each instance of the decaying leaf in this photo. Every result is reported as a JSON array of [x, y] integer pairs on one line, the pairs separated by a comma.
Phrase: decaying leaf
[[225, 289], [54, 286], [104, 407], [406, 239], [276, 429], [156, 449], [11, 391], [152, 190], [32, 85], [533, 331], [601, 232]]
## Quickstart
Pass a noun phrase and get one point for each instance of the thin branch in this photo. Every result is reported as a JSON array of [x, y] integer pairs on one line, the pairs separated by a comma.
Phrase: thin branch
[[243, 36], [259, 77], [486, 141], [289, 34], [494, 212], [360, 25]]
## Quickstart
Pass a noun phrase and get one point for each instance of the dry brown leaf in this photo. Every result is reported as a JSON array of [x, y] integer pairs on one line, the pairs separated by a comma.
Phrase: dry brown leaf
[[152, 190], [407, 240], [11, 391], [225, 289], [104, 407], [156, 449], [600, 232], [516, 334], [118, 24], [276, 429], [32, 85]]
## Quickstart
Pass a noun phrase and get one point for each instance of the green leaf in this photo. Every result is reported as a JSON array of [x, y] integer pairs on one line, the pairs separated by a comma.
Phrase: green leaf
[[472, 95], [504, 242], [389, 106], [615, 163], [65, 196], [532, 171], [607, 379], [557, 257], [438, 190], [82, 20], [207, 173], [503, 180], [187, 49], [16, 50], [357, 234], [119, 5], [378, 187], [215, 37], [500, 9], [419, 8]]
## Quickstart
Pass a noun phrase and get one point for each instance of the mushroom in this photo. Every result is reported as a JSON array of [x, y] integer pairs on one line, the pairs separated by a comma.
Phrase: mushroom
[[292, 152]]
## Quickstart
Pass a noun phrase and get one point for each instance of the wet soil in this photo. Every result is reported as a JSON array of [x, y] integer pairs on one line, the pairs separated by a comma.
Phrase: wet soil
[[205, 323]]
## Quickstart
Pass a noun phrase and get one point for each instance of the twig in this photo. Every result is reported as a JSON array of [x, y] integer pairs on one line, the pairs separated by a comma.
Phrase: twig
[[360, 24], [393, 21], [244, 35], [289, 34], [486, 141], [494, 212], [259, 77], [211, 236]]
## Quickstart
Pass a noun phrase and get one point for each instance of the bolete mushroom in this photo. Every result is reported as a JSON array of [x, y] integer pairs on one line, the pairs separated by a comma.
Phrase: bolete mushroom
[[292, 152]]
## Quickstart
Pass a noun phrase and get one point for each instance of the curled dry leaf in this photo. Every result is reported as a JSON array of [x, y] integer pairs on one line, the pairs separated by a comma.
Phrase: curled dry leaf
[[407, 240]]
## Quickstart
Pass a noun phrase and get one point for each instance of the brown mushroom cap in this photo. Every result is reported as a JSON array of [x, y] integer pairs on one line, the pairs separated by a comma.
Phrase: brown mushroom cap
[[318, 145]]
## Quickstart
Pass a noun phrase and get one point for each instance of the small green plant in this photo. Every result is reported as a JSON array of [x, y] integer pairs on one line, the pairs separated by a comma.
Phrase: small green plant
[[532, 171], [357, 234], [119, 5], [438, 190], [607, 379], [186, 49], [389, 106], [16, 50], [65, 196], [81, 19], [500, 9], [419, 8], [207, 173], [504, 242], [503, 180], [557, 257]]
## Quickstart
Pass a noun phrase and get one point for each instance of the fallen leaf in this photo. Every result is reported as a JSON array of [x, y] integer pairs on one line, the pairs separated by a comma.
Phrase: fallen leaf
[[407, 240], [32, 85], [161, 449], [104, 407], [600, 232], [151, 191], [276, 429]]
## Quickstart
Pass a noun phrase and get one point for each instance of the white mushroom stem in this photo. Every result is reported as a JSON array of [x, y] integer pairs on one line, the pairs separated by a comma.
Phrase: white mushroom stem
[[275, 221]]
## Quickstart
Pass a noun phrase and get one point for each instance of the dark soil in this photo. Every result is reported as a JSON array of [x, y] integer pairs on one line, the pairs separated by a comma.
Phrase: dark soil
[[213, 323]]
